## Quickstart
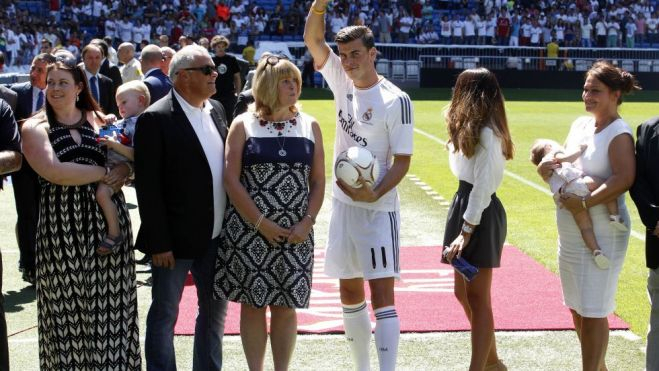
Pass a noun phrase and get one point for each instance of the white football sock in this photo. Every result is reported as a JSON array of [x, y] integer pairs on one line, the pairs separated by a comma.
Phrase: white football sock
[[357, 326], [387, 333]]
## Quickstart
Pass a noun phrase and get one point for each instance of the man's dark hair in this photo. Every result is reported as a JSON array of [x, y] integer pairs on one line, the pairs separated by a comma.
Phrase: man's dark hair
[[352, 33], [44, 57]]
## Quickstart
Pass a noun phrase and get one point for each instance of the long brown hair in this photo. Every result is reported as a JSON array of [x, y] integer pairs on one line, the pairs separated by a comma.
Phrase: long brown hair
[[85, 102], [477, 102]]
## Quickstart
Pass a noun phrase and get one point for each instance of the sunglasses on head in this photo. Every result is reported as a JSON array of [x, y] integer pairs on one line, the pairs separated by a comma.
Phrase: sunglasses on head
[[66, 60], [273, 59], [206, 70]]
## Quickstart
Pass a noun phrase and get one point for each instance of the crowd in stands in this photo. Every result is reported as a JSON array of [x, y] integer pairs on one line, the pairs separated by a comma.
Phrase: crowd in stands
[[581, 23]]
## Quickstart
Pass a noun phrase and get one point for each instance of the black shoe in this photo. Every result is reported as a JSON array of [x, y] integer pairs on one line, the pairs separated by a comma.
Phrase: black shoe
[[29, 276], [146, 259]]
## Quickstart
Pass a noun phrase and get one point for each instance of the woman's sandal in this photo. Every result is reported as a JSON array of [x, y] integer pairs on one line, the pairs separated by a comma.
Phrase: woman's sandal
[[601, 260], [109, 244]]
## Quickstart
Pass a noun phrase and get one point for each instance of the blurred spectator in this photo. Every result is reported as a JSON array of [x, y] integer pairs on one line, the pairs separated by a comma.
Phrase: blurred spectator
[[428, 35], [228, 81], [131, 69], [163, 40], [249, 52], [167, 55]]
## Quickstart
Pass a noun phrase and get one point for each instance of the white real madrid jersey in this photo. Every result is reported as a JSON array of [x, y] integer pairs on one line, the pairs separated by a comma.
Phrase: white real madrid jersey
[[379, 118]]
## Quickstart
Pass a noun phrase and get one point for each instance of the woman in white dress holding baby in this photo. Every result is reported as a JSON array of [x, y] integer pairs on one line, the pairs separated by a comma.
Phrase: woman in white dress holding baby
[[588, 291]]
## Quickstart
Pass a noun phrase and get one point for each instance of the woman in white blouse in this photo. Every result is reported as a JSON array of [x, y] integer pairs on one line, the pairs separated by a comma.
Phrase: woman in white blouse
[[479, 145]]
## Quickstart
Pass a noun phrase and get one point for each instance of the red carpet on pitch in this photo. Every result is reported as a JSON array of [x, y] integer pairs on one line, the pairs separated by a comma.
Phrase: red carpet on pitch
[[525, 296]]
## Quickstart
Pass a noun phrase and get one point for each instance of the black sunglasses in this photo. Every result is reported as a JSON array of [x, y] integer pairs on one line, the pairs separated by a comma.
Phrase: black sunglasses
[[206, 70], [66, 60], [273, 59]]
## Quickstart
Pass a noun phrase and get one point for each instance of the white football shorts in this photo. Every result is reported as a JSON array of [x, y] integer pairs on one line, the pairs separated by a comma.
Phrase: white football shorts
[[362, 243]]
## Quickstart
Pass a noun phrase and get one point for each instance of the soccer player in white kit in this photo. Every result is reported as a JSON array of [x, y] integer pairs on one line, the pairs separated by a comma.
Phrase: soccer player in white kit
[[363, 244]]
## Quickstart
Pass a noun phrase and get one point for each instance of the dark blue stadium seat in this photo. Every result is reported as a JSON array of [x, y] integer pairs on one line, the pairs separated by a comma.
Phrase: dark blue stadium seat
[[276, 38], [263, 37], [287, 38]]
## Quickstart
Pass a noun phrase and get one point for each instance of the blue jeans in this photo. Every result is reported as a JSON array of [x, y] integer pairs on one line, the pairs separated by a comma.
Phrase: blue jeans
[[165, 297], [652, 356]]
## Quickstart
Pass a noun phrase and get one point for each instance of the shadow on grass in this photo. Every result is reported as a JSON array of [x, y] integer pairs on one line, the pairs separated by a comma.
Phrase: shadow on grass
[[14, 300]]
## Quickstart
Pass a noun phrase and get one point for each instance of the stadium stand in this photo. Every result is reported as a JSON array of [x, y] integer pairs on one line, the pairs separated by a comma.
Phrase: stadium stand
[[494, 33]]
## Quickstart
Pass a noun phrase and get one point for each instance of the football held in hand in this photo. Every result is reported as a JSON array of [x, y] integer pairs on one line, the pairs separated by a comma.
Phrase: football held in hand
[[356, 165]]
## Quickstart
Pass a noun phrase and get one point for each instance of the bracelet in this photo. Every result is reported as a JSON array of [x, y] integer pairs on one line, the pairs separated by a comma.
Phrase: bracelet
[[313, 220], [583, 202], [107, 170], [258, 222], [314, 11]]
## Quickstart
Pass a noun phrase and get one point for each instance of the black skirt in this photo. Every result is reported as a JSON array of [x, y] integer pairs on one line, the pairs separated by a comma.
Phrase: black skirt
[[486, 243]]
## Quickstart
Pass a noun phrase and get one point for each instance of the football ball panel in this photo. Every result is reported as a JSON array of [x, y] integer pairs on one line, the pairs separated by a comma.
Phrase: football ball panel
[[355, 162], [345, 171]]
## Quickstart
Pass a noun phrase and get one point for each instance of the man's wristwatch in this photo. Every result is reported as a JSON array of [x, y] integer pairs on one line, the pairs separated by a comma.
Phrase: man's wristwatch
[[467, 229]]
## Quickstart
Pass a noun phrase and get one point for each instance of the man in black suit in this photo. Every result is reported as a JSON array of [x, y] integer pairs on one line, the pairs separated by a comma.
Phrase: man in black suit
[[645, 193], [100, 86], [8, 96], [30, 99], [156, 81], [108, 69], [179, 159], [10, 160]]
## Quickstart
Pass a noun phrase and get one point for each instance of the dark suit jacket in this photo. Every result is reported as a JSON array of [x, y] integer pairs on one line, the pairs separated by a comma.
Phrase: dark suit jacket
[[245, 98], [106, 92], [158, 83], [645, 191], [9, 96], [24, 101], [173, 181], [112, 71]]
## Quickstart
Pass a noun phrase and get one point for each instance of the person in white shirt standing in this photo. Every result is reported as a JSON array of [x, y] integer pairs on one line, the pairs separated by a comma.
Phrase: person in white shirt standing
[[363, 242], [457, 27], [479, 145], [131, 68]]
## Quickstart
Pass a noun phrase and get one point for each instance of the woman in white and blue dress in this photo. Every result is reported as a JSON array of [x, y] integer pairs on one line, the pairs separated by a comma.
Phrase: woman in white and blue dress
[[275, 179], [589, 292], [479, 145]]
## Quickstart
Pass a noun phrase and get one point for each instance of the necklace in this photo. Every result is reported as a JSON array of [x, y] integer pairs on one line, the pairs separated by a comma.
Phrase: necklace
[[282, 152], [279, 127]]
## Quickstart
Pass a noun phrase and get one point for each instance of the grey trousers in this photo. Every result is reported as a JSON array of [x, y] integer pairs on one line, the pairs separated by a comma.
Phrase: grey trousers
[[652, 351]]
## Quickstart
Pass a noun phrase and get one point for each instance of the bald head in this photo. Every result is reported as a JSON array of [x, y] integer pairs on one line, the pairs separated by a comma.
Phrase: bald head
[[126, 52], [151, 57]]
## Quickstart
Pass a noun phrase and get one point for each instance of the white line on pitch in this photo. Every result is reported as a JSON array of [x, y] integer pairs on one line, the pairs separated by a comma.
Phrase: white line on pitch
[[516, 177]]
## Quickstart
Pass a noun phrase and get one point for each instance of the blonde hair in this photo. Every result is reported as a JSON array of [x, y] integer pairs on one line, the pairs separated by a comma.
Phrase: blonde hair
[[477, 102], [137, 87], [265, 82]]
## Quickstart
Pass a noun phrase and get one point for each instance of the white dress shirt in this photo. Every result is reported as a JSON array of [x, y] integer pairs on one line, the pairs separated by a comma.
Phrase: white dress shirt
[[213, 146], [484, 170]]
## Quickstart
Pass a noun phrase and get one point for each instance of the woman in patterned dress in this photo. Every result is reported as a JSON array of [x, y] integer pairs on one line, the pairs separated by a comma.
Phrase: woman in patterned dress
[[87, 303], [275, 179]]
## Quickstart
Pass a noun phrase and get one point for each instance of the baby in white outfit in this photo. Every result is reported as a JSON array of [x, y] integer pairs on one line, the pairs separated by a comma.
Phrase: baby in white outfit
[[569, 179]]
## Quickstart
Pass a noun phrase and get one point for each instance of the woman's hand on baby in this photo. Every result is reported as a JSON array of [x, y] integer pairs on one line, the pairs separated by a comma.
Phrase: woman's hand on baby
[[547, 166], [110, 119], [571, 203]]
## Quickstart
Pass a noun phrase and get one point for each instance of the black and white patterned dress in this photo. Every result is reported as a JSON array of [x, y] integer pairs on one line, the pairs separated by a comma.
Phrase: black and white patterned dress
[[87, 303], [276, 165]]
